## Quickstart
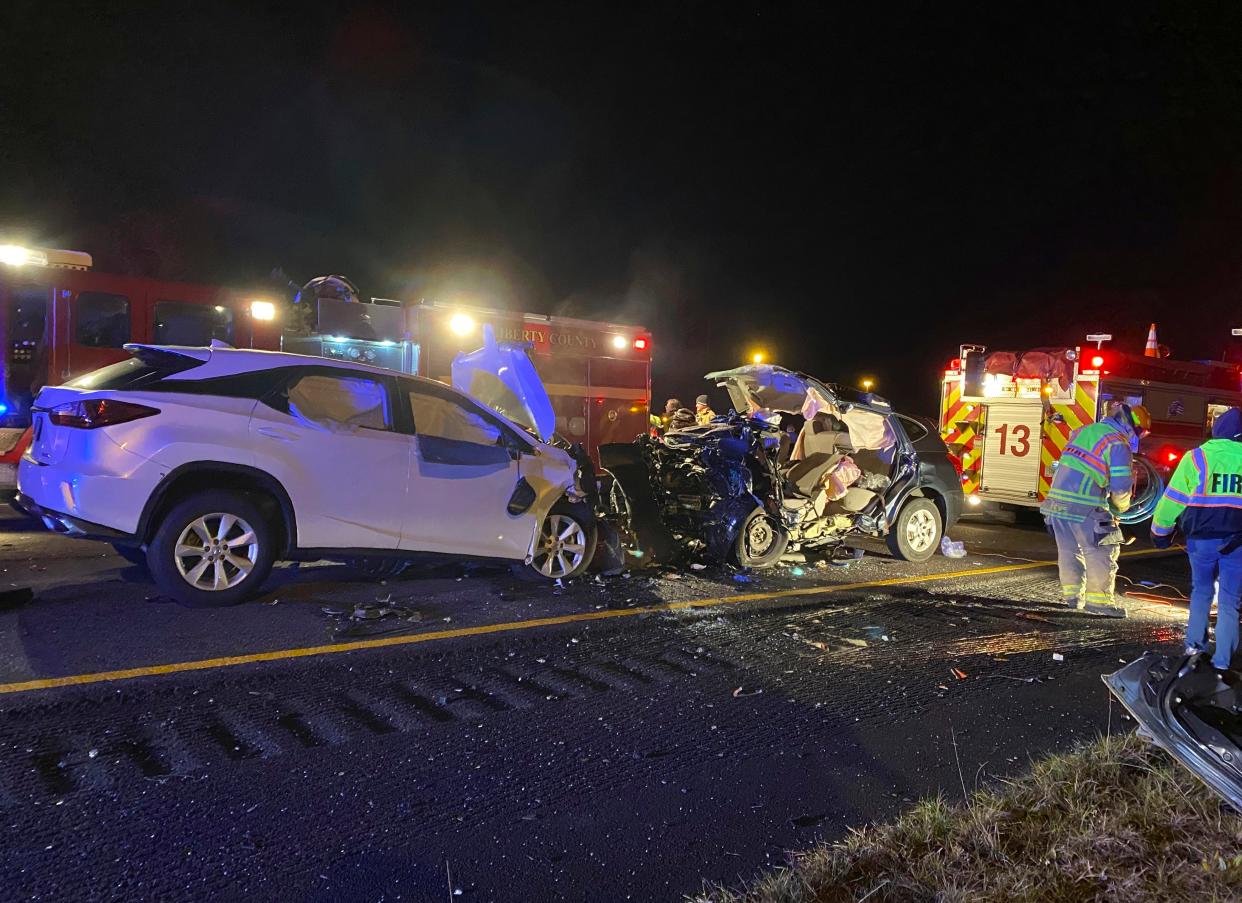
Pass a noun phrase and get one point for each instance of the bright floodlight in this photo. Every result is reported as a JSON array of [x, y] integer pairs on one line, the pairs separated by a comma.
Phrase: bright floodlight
[[262, 310], [462, 324], [14, 255], [757, 357], [867, 384], [619, 342]]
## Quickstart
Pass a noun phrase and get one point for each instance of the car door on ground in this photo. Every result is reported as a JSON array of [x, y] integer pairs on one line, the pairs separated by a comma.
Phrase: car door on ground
[[463, 473], [329, 435]]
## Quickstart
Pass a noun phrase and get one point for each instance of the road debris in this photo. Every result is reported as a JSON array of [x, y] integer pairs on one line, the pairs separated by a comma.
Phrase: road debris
[[362, 618], [958, 673], [1058, 657], [742, 692], [951, 549], [1031, 616]]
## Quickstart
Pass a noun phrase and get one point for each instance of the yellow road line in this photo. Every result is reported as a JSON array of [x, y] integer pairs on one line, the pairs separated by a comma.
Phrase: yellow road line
[[229, 661]]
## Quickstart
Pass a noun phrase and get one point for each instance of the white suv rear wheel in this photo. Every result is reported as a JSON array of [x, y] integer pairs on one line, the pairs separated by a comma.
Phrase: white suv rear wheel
[[216, 551], [212, 548]]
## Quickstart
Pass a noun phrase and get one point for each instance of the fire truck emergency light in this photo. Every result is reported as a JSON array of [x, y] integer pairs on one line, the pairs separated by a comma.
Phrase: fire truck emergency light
[[462, 324], [1235, 332], [16, 256], [619, 342], [1097, 361], [263, 310], [640, 344]]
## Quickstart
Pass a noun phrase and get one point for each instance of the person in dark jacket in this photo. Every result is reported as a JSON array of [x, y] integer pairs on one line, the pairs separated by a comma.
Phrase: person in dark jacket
[[1204, 501]]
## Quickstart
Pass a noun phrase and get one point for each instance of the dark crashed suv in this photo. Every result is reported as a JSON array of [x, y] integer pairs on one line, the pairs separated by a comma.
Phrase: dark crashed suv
[[798, 465]]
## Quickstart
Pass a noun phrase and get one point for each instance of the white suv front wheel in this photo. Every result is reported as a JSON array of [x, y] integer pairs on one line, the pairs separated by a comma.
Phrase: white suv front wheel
[[212, 548], [565, 545]]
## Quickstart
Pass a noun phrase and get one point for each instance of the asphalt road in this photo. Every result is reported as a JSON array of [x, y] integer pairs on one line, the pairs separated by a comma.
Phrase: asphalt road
[[627, 738]]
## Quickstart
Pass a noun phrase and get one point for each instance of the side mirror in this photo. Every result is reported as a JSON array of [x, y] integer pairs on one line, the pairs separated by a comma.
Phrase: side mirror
[[515, 447]]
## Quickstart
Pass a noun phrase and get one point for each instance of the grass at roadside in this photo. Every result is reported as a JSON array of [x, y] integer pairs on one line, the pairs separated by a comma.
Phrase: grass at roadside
[[1113, 820]]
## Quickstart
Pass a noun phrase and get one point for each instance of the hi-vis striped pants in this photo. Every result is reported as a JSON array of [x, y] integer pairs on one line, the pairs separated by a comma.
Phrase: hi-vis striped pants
[[1088, 570]]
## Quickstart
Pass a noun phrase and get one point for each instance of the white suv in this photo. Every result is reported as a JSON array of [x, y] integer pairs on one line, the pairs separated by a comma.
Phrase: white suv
[[217, 462]]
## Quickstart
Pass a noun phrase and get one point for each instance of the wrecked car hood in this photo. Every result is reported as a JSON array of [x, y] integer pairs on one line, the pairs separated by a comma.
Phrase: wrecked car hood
[[1172, 700], [761, 390], [502, 376]]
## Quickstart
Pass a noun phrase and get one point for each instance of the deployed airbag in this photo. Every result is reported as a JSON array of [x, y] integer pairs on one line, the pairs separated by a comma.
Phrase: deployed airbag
[[868, 429], [503, 377]]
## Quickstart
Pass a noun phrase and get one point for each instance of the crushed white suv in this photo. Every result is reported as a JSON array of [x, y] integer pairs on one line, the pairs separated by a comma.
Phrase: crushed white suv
[[214, 463]]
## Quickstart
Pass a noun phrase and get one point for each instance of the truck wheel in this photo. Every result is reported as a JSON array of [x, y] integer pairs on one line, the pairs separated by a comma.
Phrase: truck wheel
[[916, 534], [760, 541], [565, 546], [211, 549]]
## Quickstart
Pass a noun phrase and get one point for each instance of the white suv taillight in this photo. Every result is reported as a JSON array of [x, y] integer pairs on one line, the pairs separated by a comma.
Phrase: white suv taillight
[[89, 415]]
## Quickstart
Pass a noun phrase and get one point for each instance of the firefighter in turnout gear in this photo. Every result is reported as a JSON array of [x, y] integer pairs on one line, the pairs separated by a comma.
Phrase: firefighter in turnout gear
[[1204, 501], [1093, 484], [703, 413]]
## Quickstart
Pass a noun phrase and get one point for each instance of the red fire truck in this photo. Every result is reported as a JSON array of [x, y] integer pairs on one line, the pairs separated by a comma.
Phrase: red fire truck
[[59, 318], [597, 374], [1007, 416]]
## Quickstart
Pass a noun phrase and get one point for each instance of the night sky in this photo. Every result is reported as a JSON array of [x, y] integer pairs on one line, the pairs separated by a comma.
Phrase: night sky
[[856, 194]]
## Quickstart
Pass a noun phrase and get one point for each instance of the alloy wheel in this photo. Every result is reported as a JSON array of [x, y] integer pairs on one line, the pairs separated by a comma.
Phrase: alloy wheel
[[921, 530], [561, 548], [216, 552]]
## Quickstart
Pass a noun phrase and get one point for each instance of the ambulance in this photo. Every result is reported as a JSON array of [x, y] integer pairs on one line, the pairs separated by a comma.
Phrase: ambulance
[[1007, 416]]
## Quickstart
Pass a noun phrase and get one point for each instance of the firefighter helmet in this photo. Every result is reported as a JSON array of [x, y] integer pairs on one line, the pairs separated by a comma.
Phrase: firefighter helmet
[[1134, 417]]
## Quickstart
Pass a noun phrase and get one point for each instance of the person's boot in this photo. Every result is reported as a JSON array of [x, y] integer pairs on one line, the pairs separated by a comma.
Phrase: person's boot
[[1104, 609]]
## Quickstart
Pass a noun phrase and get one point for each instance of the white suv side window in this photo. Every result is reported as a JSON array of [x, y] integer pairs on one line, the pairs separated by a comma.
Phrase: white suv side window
[[440, 418], [340, 401]]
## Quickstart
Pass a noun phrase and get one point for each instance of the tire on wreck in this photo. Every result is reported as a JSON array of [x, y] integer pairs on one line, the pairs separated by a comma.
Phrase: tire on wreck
[[915, 536], [760, 541]]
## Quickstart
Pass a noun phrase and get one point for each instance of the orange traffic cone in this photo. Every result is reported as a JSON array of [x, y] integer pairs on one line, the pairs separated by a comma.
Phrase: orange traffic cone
[[1152, 349]]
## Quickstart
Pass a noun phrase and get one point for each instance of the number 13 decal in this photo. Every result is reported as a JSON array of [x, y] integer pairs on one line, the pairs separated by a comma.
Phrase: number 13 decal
[[1021, 436]]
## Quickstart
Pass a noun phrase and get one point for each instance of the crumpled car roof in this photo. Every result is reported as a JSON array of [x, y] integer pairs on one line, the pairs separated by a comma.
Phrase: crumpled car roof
[[761, 389]]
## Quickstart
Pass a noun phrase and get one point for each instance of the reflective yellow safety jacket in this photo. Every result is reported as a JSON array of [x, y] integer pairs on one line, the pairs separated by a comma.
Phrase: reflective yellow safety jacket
[[1094, 467], [1204, 495]]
